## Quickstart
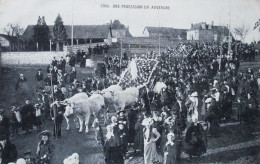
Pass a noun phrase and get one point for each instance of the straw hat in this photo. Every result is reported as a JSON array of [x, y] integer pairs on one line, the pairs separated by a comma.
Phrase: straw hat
[[147, 122]]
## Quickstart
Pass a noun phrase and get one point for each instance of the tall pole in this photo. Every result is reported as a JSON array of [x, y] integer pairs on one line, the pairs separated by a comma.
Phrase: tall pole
[[50, 44], [229, 41], [121, 53], [72, 25]]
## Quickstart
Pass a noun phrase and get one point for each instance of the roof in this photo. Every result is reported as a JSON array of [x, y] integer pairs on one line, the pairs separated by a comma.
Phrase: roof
[[80, 31], [167, 31], [10, 38], [216, 29], [199, 26], [223, 30]]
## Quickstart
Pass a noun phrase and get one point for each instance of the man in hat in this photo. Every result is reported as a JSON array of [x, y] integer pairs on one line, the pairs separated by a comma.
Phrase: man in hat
[[15, 120], [45, 148], [4, 121], [27, 116], [20, 84], [8, 152], [57, 117], [39, 78], [28, 157]]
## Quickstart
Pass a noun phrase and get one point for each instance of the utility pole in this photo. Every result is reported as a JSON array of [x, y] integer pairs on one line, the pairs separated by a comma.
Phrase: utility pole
[[72, 26], [229, 35]]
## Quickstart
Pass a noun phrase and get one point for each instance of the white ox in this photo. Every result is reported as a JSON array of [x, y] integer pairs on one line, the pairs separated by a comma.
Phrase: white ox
[[83, 108], [121, 99]]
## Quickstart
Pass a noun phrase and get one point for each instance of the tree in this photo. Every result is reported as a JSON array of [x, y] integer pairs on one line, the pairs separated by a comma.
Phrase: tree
[[59, 31], [41, 34], [13, 29], [241, 32]]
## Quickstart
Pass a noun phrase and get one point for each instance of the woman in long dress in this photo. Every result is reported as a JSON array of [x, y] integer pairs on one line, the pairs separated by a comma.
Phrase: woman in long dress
[[151, 135]]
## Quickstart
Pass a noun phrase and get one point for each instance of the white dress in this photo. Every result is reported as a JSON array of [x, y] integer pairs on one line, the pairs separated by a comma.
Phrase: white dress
[[150, 152]]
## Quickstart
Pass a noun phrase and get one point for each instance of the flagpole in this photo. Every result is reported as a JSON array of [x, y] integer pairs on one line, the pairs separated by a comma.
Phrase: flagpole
[[229, 42], [72, 26]]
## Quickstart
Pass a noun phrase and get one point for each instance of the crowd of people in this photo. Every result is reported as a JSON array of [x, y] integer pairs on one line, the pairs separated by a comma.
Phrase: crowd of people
[[199, 83]]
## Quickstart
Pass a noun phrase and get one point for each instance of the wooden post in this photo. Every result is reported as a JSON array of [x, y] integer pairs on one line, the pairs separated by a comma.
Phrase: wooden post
[[50, 44]]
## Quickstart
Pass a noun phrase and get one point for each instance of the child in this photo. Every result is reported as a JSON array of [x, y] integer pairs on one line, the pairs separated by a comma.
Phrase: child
[[28, 158], [170, 150], [38, 115], [99, 133], [15, 121], [45, 148], [122, 131]]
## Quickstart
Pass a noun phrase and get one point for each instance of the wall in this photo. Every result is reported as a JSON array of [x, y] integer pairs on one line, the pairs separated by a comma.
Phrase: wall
[[83, 47], [193, 35], [118, 33], [29, 58], [206, 35]]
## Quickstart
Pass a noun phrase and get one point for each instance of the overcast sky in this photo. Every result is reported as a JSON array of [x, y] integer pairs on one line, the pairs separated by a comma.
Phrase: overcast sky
[[89, 12]]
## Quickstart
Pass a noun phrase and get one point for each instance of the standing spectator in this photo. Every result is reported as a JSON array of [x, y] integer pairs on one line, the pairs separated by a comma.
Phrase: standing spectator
[[170, 150], [28, 157], [21, 85], [132, 119], [48, 82], [63, 64], [57, 117], [8, 152], [72, 61], [73, 74], [38, 116], [45, 148], [151, 135], [139, 136], [15, 121], [195, 137], [27, 116], [112, 149], [4, 121], [46, 105], [39, 78], [54, 62]]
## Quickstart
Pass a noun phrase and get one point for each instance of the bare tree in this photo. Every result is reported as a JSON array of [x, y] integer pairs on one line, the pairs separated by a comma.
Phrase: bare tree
[[13, 29], [241, 32]]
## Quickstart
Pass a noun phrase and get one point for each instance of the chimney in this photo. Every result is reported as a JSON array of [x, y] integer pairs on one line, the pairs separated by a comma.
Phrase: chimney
[[191, 25], [212, 23]]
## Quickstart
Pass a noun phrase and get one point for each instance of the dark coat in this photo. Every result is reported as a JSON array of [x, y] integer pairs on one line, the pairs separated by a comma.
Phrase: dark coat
[[195, 137], [39, 77], [132, 118], [9, 153]]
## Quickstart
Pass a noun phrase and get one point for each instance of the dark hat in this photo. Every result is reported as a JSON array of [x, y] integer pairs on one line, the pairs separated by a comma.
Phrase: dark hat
[[28, 152], [43, 133], [4, 134], [39, 69], [120, 111]]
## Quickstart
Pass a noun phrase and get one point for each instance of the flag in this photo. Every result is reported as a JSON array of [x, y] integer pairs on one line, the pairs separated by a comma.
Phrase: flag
[[133, 69]]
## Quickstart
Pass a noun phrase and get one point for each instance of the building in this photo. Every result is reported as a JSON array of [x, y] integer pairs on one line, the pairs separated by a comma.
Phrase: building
[[82, 34], [208, 32], [119, 30], [165, 32], [11, 43]]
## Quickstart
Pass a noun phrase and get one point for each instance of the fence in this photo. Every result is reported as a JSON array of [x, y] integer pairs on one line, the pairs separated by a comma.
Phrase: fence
[[29, 58]]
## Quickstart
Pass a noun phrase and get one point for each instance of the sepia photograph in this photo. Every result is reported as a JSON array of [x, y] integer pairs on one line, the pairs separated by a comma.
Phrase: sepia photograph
[[129, 82]]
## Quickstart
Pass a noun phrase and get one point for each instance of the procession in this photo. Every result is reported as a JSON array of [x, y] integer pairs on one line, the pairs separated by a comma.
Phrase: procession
[[160, 107], [104, 83]]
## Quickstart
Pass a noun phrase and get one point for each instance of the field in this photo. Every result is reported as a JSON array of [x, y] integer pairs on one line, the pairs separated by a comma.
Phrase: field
[[85, 145]]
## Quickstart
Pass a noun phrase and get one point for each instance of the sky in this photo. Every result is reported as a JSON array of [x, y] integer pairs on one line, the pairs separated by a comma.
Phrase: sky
[[179, 15]]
